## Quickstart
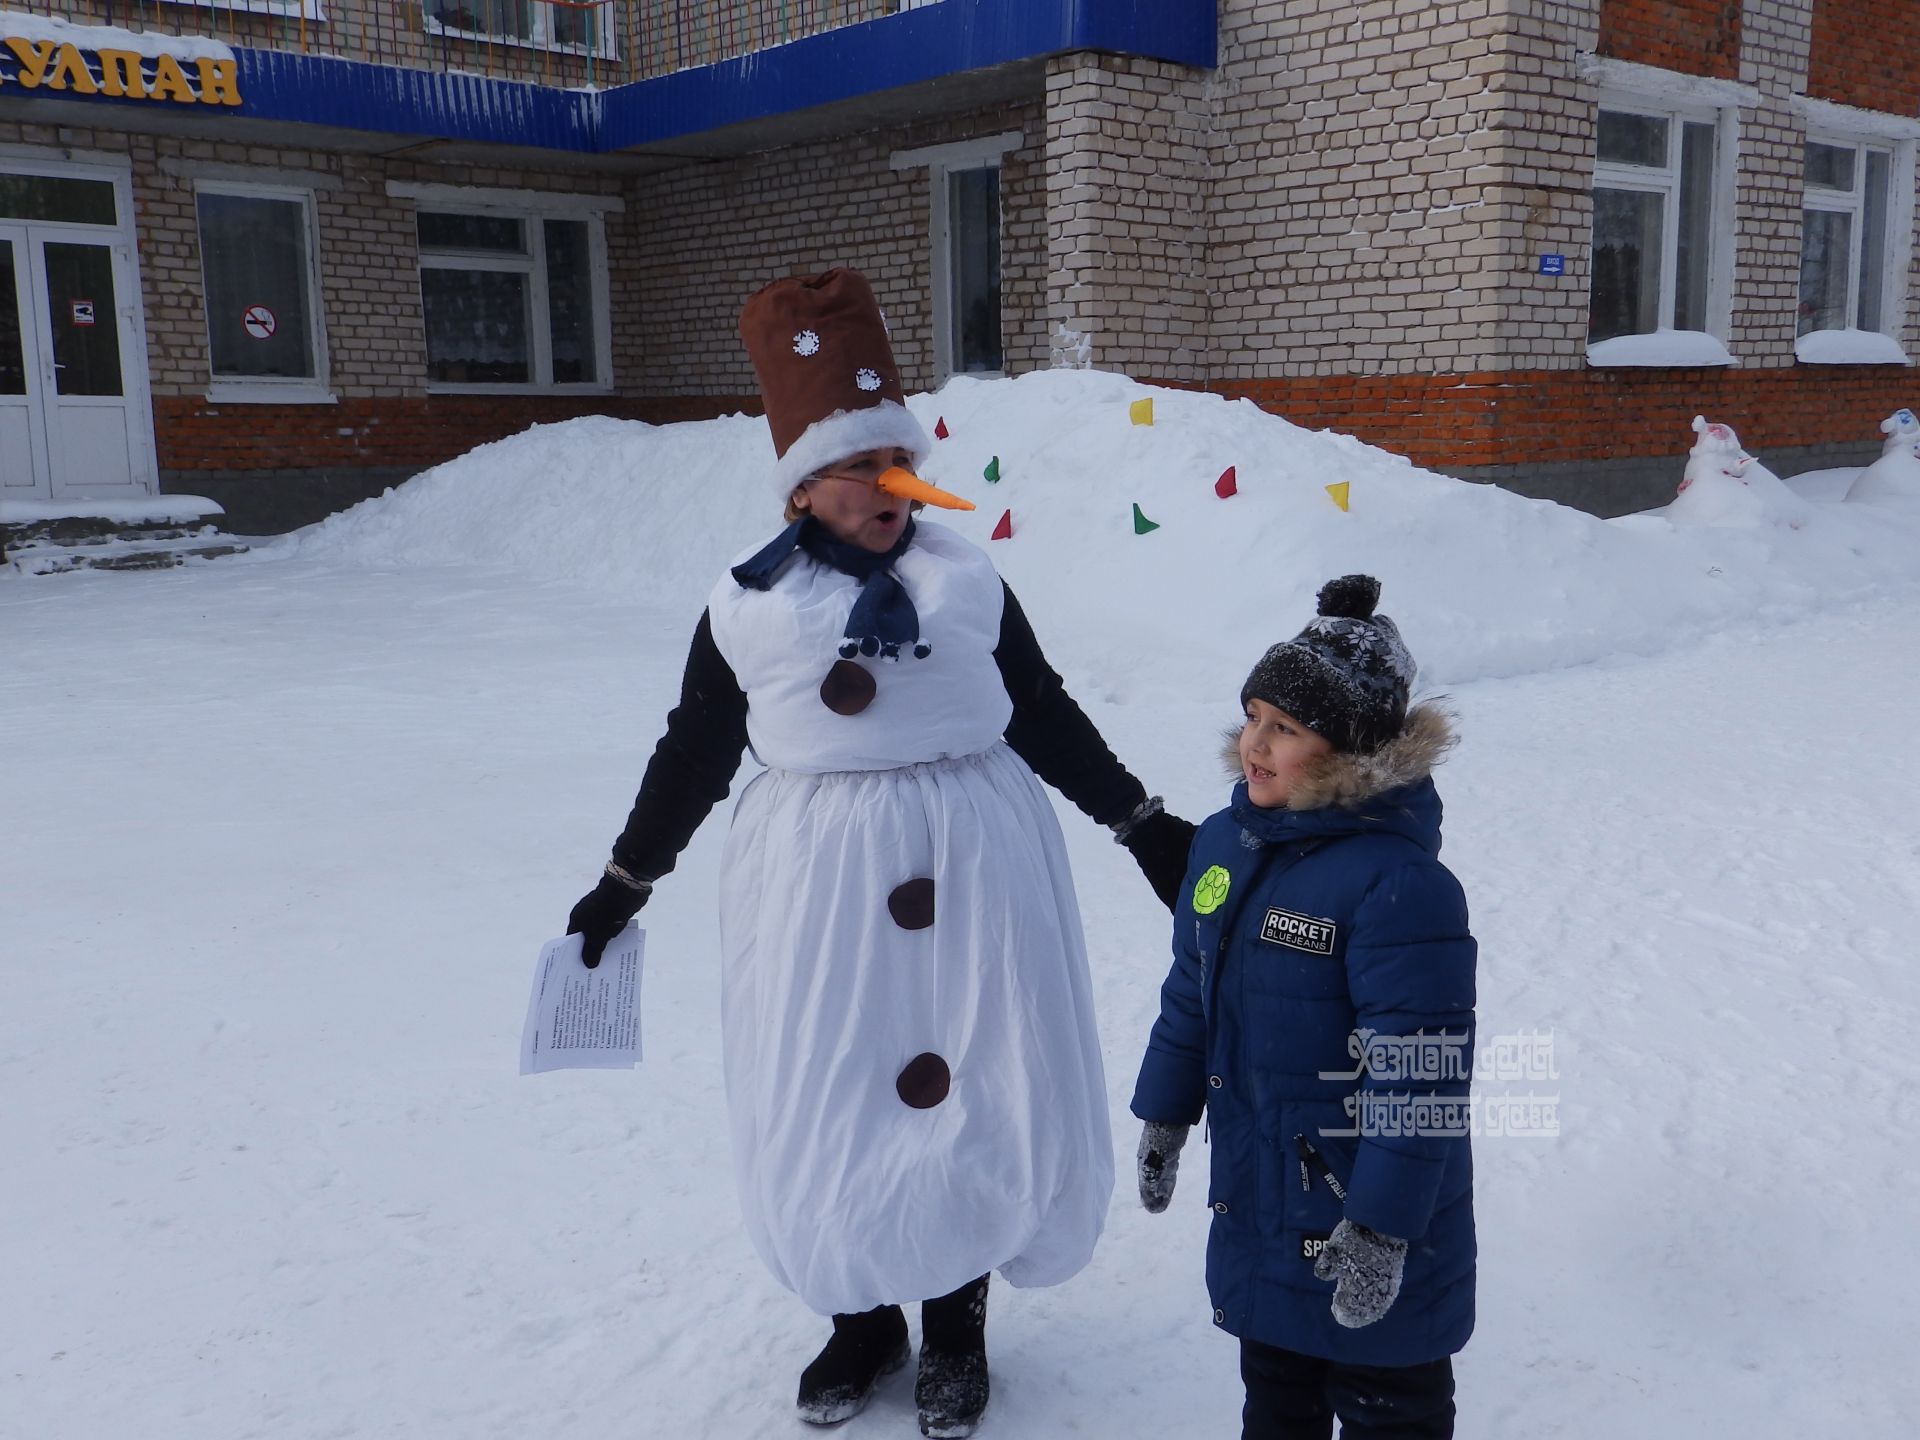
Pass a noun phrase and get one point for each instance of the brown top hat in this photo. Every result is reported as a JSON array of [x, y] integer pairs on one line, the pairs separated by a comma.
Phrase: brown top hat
[[827, 376]]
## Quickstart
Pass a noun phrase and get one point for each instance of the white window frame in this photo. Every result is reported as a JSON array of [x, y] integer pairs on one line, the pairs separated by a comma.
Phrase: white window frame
[[540, 37], [988, 152], [1664, 180], [263, 389], [530, 207], [1896, 243], [289, 9]]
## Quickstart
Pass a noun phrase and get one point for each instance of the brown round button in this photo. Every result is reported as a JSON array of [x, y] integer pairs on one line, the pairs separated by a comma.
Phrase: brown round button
[[911, 904], [925, 1081], [849, 688]]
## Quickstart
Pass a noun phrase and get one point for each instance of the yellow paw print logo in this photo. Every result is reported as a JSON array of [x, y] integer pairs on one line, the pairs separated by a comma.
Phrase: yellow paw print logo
[[1210, 890]]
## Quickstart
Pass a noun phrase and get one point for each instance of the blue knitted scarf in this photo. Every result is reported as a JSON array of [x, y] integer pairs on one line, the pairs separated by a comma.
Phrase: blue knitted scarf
[[883, 618]]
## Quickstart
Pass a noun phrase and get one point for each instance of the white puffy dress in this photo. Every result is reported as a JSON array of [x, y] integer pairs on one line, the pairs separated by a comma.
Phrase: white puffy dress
[[911, 1107]]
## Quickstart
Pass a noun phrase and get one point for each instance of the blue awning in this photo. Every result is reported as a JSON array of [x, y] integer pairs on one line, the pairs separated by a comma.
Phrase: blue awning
[[894, 53]]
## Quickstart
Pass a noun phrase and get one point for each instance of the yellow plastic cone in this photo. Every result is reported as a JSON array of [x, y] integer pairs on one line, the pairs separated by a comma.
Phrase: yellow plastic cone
[[909, 486], [1338, 491], [1141, 411]]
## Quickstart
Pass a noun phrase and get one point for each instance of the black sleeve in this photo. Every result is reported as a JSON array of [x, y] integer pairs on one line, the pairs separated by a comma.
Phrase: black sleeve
[[692, 766], [1052, 733]]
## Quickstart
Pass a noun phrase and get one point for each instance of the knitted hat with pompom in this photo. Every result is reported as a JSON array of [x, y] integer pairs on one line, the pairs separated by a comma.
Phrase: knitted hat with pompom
[[1346, 676]]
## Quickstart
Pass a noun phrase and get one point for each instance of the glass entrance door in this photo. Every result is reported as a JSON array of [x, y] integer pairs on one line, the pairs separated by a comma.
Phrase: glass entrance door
[[73, 402], [93, 442], [24, 473]]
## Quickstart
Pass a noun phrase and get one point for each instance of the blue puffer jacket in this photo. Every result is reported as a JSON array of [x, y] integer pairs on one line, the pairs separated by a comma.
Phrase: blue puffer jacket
[[1300, 928]]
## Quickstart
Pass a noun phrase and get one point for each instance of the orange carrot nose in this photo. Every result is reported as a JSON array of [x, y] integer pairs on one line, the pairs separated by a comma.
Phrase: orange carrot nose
[[909, 486]]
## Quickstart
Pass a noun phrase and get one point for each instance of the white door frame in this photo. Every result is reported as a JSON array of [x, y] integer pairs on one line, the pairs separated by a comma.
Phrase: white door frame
[[129, 306], [37, 482]]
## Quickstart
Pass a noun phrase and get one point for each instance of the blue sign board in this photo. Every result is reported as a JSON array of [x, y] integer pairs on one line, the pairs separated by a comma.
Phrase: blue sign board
[[1553, 264]]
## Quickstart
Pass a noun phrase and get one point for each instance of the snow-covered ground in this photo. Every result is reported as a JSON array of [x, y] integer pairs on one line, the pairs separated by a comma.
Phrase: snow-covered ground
[[286, 832]]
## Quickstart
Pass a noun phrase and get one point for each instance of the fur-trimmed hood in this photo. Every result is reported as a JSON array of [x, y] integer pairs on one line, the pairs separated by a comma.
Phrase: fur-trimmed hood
[[1351, 780]]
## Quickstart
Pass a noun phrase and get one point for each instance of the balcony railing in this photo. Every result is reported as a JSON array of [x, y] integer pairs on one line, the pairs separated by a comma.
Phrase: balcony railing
[[553, 42], [679, 34]]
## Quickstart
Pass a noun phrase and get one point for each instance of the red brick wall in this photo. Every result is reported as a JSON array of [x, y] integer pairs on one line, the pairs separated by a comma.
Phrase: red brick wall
[[1863, 54], [1544, 416], [1696, 37], [194, 434], [1512, 417]]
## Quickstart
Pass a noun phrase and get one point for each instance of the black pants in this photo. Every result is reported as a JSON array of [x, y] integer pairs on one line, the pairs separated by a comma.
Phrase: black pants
[[1295, 1397]]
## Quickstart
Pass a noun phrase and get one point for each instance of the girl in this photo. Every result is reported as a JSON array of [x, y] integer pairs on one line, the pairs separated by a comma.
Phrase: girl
[[913, 1073]]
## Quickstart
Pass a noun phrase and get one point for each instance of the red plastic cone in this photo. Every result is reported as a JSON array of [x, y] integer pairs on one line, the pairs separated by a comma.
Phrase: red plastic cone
[[940, 428], [1004, 530], [1227, 484]]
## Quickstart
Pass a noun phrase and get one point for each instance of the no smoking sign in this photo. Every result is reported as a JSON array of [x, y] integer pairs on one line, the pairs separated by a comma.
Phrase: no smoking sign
[[259, 322]]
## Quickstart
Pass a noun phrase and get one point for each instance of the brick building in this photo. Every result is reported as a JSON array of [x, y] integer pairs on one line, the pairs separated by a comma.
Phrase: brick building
[[286, 252]]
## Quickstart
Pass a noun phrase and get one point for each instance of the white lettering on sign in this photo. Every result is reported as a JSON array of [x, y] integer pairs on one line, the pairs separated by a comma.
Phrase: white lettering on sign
[[260, 322], [1298, 932]]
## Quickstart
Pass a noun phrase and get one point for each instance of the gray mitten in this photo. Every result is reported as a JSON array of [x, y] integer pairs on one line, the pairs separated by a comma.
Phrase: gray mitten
[[1365, 1267], [1159, 1163]]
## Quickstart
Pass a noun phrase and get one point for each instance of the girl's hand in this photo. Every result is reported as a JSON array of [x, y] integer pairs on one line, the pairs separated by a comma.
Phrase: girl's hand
[[603, 913], [1159, 846]]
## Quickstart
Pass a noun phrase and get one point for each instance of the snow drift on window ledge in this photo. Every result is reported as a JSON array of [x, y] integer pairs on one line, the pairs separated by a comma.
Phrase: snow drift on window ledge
[[1662, 347], [1848, 347]]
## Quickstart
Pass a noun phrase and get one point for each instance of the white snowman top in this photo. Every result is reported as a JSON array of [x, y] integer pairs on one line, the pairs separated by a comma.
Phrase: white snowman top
[[1724, 485], [1902, 429], [1895, 476], [783, 641]]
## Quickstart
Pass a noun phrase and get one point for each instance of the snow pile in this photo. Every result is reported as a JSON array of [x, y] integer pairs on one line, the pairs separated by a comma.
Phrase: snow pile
[[1482, 581], [1848, 347], [1895, 477], [1723, 485], [151, 44]]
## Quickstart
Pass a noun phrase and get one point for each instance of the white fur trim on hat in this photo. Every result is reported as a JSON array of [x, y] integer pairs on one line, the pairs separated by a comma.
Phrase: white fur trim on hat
[[849, 432]]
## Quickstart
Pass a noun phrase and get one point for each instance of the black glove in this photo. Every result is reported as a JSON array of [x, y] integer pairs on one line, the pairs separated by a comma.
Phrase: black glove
[[1160, 1163], [1159, 846], [602, 914], [1365, 1267]]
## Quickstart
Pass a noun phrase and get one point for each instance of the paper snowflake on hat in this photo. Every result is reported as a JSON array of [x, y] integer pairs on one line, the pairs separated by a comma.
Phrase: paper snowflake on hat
[[806, 343], [866, 379]]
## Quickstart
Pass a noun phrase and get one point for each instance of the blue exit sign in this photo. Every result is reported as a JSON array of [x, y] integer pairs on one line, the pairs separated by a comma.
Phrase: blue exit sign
[[1553, 264]]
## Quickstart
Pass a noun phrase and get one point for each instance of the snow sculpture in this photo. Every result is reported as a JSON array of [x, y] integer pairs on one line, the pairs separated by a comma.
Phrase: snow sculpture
[[1723, 485], [1895, 476]]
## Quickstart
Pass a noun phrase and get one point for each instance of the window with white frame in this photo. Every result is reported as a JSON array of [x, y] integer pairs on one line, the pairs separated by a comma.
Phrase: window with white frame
[[963, 206], [546, 24], [260, 285], [1844, 237], [1653, 222], [973, 248], [516, 300]]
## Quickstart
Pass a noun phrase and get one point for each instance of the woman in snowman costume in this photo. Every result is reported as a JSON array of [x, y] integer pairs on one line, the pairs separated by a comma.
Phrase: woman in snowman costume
[[913, 1072]]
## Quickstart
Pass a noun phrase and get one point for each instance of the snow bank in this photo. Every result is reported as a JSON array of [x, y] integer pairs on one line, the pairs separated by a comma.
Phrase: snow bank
[[1483, 582], [1893, 479]]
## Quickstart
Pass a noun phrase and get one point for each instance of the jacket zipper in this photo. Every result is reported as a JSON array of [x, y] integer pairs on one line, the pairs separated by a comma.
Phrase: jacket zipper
[[1311, 1156]]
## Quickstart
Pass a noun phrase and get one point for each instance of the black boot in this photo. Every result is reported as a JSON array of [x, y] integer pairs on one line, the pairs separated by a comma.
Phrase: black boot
[[842, 1378], [952, 1388]]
